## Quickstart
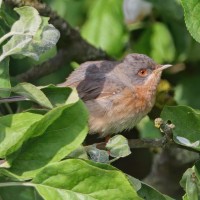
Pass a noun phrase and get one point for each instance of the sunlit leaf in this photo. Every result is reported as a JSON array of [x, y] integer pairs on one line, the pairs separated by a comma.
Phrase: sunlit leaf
[[79, 179], [55, 136], [192, 14], [31, 35], [118, 146], [29, 21], [4, 78], [13, 131], [33, 93], [22, 30], [104, 27], [44, 40], [157, 42]]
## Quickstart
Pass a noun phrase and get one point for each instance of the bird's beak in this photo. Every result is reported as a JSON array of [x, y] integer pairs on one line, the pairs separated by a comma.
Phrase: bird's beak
[[162, 68]]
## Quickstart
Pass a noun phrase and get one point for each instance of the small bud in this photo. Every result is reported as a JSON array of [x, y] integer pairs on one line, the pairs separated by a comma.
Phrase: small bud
[[158, 122]]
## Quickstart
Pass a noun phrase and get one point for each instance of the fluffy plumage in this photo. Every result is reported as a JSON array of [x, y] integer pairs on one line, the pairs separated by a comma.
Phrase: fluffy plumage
[[117, 94]]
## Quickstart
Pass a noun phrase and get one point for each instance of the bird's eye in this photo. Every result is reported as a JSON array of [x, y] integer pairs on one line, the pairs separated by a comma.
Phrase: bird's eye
[[143, 72]]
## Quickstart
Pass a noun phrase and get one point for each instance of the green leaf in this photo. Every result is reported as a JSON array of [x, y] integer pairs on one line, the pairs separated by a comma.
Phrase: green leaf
[[192, 14], [187, 125], [105, 26], [19, 193], [197, 170], [45, 39], [80, 152], [60, 95], [33, 93], [186, 93], [118, 146], [14, 45], [22, 31], [145, 191], [31, 35], [4, 78], [8, 17], [72, 11], [149, 193], [147, 129], [98, 155], [157, 42], [136, 183], [29, 21], [55, 136], [183, 43], [191, 183], [170, 11], [13, 131], [51, 193], [79, 179]]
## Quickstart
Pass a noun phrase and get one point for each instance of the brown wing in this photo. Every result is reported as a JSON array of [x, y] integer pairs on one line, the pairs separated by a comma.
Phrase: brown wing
[[94, 79]]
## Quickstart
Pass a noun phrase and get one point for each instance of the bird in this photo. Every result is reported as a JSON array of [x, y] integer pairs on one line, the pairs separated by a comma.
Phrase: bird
[[117, 94]]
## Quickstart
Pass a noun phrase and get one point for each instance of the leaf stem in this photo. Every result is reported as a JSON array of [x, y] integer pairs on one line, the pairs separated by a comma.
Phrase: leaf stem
[[10, 34], [6, 36], [13, 99], [7, 184]]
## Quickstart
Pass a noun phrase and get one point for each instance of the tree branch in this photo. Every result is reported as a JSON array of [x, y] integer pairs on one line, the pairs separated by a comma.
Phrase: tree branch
[[45, 68], [165, 141]]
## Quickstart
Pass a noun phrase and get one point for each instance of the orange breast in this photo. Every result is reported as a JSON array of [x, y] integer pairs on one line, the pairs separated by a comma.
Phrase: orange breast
[[127, 109]]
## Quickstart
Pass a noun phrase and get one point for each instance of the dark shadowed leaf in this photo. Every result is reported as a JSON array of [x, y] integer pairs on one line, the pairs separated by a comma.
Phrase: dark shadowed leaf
[[186, 93], [60, 95], [147, 192], [170, 11], [19, 193]]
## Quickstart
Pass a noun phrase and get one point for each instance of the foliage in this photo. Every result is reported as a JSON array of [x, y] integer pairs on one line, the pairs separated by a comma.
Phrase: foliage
[[41, 139], [191, 11]]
